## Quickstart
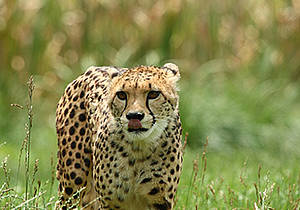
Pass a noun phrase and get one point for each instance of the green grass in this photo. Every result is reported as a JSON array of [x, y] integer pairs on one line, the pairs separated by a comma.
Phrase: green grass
[[210, 180], [238, 181]]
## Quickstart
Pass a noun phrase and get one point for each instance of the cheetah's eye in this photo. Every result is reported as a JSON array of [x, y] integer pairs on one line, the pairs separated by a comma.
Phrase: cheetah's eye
[[153, 94], [121, 95]]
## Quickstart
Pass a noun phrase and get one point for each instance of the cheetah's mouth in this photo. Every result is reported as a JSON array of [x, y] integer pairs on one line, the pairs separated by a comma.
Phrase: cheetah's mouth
[[137, 130], [135, 125]]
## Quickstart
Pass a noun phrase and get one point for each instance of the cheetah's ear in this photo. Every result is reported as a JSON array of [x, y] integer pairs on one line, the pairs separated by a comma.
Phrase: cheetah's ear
[[173, 72]]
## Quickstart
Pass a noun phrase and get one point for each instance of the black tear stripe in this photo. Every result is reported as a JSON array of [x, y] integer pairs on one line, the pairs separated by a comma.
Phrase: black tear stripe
[[124, 107], [151, 113]]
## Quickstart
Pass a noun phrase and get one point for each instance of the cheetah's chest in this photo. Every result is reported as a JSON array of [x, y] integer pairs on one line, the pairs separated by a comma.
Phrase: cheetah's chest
[[127, 180]]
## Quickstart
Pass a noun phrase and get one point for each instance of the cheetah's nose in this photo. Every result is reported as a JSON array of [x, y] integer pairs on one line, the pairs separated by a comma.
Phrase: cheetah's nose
[[135, 115]]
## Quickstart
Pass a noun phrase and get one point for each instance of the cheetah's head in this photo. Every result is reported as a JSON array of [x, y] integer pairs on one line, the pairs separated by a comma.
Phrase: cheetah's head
[[143, 100]]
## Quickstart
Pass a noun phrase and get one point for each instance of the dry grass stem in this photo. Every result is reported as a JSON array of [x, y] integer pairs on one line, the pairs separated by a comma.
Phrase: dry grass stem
[[258, 175], [195, 169], [204, 160], [212, 190], [35, 170], [17, 106], [185, 141]]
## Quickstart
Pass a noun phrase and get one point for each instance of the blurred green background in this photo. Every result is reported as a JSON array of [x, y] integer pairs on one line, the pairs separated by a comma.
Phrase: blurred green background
[[239, 62]]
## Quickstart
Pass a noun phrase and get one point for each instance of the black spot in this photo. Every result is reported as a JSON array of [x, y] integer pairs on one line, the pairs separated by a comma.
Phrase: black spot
[[131, 162], [120, 198], [82, 94], [87, 162], [125, 154], [88, 73], [116, 174], [164, 206], [172, 159], [82, 117], [77, 165], [154, 163], [82, 105], [78, 181], [165, 143], [157, 175], [82, 131], [172, 171], [73, 175], [76, 84], [72, 130], [112, 144], [87, 150], [114, 74], [154, 191], [72, 113], [73, 145], [177, 167], [75, 196], [146, 180], [87, 139], [107, 198], [162, 182], [171, 196], [77, 155], [68, 162], [75, 98], [126, 190], [63, 152], [64, 141], [69, 190], [66, 111], [79, 146]]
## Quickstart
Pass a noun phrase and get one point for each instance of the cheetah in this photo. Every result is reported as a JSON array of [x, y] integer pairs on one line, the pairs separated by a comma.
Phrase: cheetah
[[119, 139]]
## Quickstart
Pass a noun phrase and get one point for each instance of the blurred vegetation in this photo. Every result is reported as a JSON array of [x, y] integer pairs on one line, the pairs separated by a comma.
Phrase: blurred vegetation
[[239, 61]]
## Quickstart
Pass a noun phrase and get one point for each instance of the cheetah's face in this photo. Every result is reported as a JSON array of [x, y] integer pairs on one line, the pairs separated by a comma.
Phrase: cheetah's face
[[143, 101]]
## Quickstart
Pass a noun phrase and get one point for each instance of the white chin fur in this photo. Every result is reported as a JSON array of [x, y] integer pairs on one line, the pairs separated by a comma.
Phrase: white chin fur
[[149, 136]]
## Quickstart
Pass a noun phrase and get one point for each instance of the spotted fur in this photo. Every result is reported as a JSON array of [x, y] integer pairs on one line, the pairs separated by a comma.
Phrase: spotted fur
[[102, 164]]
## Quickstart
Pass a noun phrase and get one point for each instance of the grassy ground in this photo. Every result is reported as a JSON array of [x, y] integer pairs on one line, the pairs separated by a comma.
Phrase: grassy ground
[[238, 181], [210, 180]]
